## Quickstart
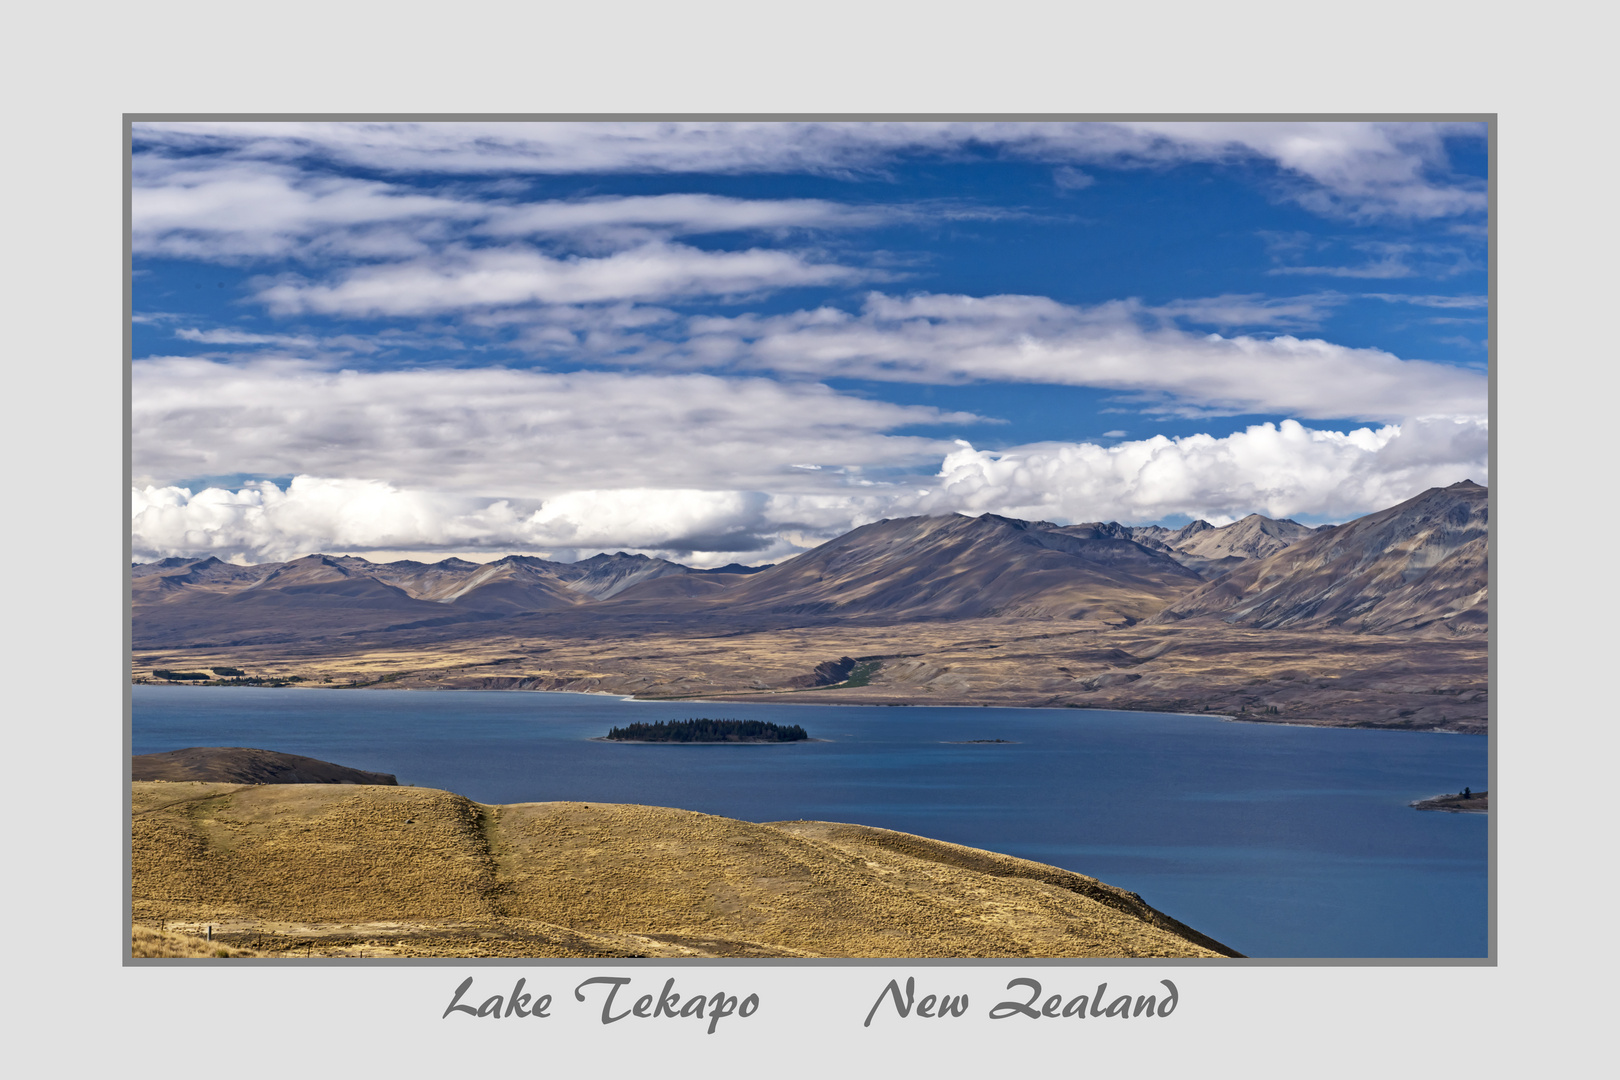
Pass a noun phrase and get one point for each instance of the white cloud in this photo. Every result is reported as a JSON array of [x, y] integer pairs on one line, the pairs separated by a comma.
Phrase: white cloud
[[511, 433], [1069, 178], [1385, 261], [236, 210], [676, 215], [230, 210], [957, 339], [495, 277], [1357, 169], [1254, 309], [1432, 301], [1284, 470], [242, 337], [264, 522]]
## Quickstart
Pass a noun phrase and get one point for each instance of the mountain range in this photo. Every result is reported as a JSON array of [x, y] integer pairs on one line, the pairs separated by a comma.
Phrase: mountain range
[[1411, 566], [1381, 621]]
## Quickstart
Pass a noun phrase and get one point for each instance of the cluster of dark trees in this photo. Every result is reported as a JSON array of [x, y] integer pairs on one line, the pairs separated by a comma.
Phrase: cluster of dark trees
[[225, 676], [704, 729]]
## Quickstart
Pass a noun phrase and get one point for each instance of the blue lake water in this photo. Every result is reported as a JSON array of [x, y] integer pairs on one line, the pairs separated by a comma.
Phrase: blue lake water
[[1278, 841]]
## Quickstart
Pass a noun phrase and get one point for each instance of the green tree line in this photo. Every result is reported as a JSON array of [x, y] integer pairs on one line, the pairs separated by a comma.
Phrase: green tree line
[[704, 729]]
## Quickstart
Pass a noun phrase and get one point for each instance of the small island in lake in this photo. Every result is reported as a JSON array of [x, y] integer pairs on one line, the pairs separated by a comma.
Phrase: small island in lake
[[705, 730], [1466, 801]]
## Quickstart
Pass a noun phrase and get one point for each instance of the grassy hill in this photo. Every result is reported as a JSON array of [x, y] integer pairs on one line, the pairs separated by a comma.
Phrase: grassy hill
[[327, 869]]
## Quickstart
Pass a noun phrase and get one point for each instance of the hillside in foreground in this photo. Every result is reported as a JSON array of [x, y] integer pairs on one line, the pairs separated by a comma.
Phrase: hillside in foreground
[[333, 869], [245, 765]]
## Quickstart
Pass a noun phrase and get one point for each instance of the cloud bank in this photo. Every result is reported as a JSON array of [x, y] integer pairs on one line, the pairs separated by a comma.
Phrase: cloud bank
[[1282, 470], [512, 433]]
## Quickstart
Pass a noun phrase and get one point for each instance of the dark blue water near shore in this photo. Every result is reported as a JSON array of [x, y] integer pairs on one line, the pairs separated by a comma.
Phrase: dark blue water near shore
[[1279, 841]]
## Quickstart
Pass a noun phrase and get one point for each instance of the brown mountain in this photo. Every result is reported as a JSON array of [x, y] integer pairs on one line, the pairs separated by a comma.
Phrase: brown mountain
[[1207, 549], [965, 567], [1404, 568], [316, 595], [941, 567], [180, 601], [1419, 564]]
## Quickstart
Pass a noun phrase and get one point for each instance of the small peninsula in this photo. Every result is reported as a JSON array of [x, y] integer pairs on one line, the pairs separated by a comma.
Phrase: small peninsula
[[1466, 801], [705, 730]]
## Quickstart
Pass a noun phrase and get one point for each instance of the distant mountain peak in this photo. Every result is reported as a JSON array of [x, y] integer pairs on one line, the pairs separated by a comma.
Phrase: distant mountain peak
[[1418, 563]]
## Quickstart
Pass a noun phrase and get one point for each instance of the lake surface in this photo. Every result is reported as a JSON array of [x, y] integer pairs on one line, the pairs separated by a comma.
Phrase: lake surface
[[1278, 841]]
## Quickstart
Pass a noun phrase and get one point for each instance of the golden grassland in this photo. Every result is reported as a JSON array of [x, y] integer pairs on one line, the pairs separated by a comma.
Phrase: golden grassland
[[146, 942], [1426, 681], [354, 870]]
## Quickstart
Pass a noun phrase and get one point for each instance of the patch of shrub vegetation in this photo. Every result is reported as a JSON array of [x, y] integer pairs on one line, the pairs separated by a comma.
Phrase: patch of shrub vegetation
[[228, 672], [704, 729], [862, 675], [181, 676]]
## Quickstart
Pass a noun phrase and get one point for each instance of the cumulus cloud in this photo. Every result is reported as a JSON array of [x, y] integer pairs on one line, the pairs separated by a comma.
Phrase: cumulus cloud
[[262, 521], [1353, 169], [1281, 470], [511, 432], [958, 339]]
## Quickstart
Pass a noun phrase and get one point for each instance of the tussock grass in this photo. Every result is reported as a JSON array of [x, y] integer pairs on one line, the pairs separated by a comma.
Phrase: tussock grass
[[147, 942]]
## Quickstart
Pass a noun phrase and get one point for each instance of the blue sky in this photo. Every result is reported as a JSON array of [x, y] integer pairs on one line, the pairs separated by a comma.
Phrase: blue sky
[[729, 342]]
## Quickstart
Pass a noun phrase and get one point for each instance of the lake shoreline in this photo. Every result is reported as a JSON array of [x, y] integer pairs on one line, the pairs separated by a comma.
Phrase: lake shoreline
[[1234, 829]]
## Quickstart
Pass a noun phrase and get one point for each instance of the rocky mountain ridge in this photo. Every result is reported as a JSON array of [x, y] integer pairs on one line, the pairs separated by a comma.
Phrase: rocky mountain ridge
[[1409, 567], [1415, 564]]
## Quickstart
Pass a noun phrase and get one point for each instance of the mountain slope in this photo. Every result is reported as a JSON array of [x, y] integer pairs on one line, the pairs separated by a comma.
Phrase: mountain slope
[[964, 567], [1419, 564], [1204, 548], [312, 596]]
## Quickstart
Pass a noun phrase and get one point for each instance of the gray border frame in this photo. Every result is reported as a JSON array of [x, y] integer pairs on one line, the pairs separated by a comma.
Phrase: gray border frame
[[1490, 120]]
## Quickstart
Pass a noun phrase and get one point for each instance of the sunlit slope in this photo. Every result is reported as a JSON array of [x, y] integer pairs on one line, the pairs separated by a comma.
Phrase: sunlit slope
[[361, 870], [966, 567], [1423, 563]]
